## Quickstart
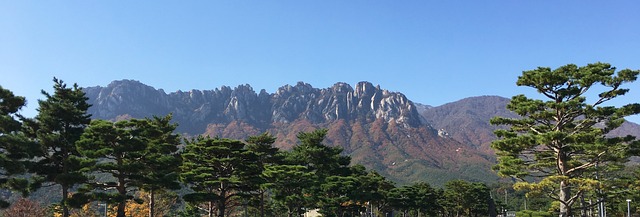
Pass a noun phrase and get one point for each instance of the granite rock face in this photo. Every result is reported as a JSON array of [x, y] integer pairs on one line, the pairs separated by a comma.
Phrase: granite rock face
[[379, 129], [225, 104]]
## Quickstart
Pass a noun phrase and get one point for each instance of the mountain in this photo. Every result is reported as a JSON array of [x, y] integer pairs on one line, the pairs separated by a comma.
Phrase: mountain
[[467, 121], [627, 128], [379, 129]]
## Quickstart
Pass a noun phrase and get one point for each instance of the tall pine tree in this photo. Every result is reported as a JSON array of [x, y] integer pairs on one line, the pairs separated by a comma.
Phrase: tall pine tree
[[321, 160], [128, 150], [161, 158], [564, 139], [61, 120], [266, 154], [311, 152], [218, 171], [15, 148], [289, 184]]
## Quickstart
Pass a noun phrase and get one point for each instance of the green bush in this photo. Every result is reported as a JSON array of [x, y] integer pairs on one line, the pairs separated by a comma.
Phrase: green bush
[[531, 213]]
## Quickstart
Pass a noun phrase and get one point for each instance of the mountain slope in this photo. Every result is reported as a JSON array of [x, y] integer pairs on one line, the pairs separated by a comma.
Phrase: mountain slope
[[382, 130], [377, 128], [467, 121]]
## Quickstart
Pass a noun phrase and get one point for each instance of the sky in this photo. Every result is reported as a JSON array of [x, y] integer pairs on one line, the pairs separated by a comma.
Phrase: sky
[[434, 52]]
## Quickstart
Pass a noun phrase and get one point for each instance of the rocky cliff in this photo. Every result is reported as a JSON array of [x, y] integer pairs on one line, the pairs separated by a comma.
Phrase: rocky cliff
[[128, 98], [378, 128]]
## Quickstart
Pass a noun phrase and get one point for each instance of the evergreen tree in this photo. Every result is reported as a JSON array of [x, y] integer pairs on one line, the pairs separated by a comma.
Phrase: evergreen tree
[[377, 188], [15, 148], [160, 158], [479, 199], [402, 199], [61, 120], [218, 171], [563, 140], [350, 194], [118, 149], [321, 160], [466, 199], [266, 154], [426, 200], [289, 184], [340, 195], [632, 189]]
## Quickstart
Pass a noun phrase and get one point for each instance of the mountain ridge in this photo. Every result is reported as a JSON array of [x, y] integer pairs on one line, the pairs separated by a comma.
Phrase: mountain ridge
[[380, 129], [232, 104]]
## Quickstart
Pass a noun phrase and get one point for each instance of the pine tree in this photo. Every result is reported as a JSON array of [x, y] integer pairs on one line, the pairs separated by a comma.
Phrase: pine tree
[[161, 159], [321, 160], [266, 154], [15, 148], [348, 194], [61, 120], [563, 140], [118, 149], [377, 188], [466, 199], [426, 200], [339, 194], [218, 171], [289, 184]]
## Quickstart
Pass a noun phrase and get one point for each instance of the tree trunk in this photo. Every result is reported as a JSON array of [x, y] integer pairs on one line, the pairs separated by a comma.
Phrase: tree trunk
[[583, 204], [221, 207], [152, 203], [122, 191], [210, 208], [121, 209], [564, 195], [122, 205], [262, 204], [65, 196]]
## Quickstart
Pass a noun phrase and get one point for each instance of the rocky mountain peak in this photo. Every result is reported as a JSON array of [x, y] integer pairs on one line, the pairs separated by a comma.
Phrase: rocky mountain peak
[[126, 97], [242, 103], [341, 87], [365, 89], [299, 88]]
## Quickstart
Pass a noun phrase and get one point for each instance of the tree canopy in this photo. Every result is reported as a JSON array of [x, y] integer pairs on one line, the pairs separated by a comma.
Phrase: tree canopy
[[558, 145], [15, 148], [117, 149], [61, 120], [218, 171]]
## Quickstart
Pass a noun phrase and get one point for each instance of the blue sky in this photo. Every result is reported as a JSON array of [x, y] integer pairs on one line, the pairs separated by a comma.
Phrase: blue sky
[[433, 51]]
